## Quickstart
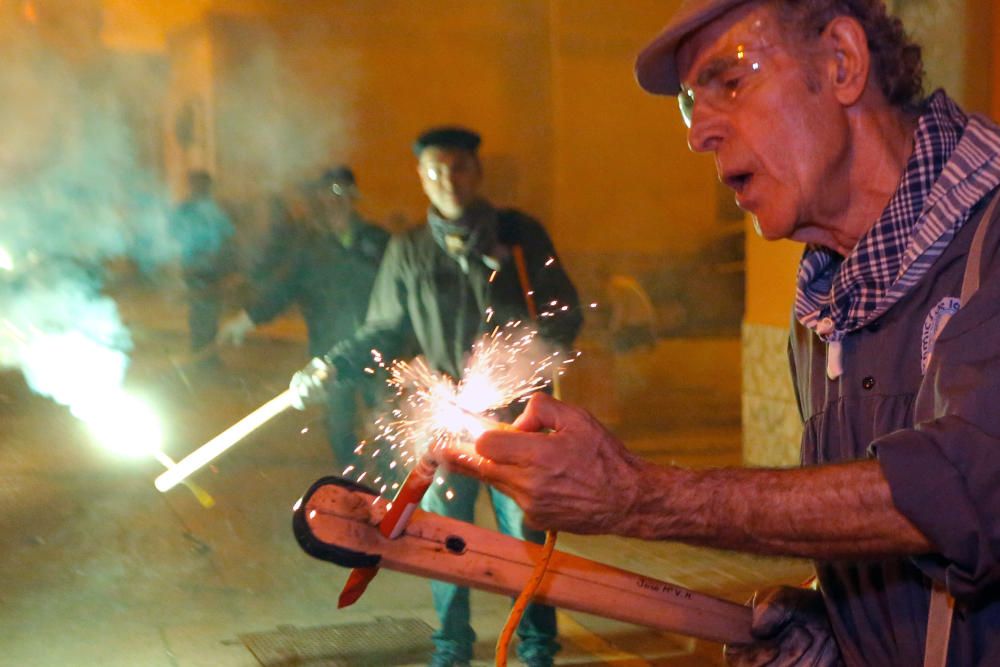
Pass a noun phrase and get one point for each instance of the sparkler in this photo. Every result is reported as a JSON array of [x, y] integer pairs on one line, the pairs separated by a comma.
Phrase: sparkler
[[505, 367], [220, 443]]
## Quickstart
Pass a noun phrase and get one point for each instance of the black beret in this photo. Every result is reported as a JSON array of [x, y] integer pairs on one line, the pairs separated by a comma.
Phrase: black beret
[[451, 136]]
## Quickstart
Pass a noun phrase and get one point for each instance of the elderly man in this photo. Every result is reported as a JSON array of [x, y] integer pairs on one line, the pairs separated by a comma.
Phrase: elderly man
[[472, 266], [814, 112]]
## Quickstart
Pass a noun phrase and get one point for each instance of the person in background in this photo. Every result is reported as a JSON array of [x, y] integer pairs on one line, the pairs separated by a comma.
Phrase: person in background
[[815, 114], [446, 284], [205, 235], [324, 261]]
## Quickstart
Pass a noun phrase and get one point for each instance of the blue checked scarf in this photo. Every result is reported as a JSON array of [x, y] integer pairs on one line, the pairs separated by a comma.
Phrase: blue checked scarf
[[955, 163]]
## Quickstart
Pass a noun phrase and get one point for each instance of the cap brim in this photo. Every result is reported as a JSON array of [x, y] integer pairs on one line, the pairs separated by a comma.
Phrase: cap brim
[[656, 65]]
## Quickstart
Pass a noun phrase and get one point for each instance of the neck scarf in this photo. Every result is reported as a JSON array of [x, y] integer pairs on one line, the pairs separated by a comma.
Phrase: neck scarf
[[471, 237], [954, 165]]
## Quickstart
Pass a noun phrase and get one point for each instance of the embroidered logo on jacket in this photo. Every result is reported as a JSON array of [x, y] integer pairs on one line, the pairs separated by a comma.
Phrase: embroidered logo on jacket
[[935, 322]]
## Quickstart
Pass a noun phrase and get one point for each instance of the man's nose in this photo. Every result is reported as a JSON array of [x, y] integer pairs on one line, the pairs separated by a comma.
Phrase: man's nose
[[708, 128], [447, 180]]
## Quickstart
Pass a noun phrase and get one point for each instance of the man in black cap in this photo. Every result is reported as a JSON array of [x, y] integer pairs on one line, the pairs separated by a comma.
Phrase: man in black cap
[[324, 260], [815, 114], [446, 284]]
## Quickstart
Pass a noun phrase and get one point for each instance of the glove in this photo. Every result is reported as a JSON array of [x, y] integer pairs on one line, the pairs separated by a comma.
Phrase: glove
[[791, 628], [234, 330], [308, 385]]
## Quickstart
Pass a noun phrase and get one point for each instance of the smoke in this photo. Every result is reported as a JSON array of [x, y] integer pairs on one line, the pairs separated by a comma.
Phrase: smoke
[[83, 156], [74, 194], [69, 341], [284, 107]]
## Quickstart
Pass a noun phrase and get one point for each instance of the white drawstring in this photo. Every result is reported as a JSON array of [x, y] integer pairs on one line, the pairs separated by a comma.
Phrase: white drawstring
[[834, 350]]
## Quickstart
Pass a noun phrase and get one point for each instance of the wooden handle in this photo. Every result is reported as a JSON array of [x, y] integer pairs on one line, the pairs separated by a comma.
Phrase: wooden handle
[[440, 548]]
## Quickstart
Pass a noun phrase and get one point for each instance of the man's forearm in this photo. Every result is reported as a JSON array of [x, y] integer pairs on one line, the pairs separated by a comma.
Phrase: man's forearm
[[823, 512]]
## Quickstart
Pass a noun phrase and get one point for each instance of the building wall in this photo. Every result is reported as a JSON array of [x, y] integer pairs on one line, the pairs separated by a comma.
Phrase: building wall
[[771, 424]]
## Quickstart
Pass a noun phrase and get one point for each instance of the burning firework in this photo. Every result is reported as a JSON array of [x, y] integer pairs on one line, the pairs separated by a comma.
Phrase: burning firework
[[505, 367], [433, 411], [85, 370]]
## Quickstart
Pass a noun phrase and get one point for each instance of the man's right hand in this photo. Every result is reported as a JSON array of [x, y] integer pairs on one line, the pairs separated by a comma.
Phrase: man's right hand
[[308, 385], [538, 465], [234, 330]]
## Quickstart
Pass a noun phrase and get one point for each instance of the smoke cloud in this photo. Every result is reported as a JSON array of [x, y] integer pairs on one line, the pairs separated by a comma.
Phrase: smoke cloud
[[73, 194], [84, 165]]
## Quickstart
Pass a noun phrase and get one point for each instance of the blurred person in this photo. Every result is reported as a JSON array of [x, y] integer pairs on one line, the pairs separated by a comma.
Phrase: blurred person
[[205, 235], [323, 257], [446, 284], [815, 114]]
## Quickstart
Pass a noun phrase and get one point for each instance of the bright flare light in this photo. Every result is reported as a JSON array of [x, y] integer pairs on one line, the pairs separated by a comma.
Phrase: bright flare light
[[85, 372], [505, 367], [6, 261], [124, 425]]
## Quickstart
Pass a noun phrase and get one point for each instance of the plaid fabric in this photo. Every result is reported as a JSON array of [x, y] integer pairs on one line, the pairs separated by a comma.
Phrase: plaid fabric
[[955, 163]]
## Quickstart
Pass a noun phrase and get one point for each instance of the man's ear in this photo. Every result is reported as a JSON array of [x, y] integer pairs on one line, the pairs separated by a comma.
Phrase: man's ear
[[850, 65]]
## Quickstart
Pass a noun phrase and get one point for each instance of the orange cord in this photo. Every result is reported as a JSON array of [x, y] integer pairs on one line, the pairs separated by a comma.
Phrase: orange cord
[[522, 601], [538, 573]]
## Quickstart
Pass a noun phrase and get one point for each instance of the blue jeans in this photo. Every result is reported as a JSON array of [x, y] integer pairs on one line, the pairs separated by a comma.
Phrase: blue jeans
[[346, 406], [341, 423], [537, 630]]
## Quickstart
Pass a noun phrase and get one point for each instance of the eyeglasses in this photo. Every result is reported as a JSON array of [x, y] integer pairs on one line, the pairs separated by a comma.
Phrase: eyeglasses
[[438, 171], [340, 190], [720, 83]]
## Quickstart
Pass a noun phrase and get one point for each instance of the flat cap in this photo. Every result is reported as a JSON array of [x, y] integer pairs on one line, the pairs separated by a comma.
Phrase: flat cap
[[450, 136], [656, 66]]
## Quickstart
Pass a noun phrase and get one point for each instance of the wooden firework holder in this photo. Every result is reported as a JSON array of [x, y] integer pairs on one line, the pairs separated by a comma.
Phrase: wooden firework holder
[[337, 521]]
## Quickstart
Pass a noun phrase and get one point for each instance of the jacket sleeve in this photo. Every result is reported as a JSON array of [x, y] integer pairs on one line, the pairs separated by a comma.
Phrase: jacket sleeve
[[387, 324], [944, 473], [559, 314]]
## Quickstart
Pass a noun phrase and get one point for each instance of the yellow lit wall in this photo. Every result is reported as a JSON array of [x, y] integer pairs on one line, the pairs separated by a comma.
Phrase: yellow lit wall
[[146, 25], [770, 282], [624, 179], [568, 135]]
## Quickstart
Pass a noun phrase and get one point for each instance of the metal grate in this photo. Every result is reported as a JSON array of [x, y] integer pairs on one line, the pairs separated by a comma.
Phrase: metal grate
[[381, 643]]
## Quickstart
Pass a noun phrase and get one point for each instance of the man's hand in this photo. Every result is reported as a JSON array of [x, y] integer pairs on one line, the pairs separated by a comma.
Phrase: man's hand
[[308, 385], [577, 477], [234, 330], [791, 628]]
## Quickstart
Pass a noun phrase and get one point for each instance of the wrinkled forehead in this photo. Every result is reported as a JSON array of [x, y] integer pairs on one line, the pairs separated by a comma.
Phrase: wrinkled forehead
[[749, 26]]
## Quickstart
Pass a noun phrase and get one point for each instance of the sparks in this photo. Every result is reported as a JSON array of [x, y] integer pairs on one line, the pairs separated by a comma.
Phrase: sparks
[[432, 411]]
